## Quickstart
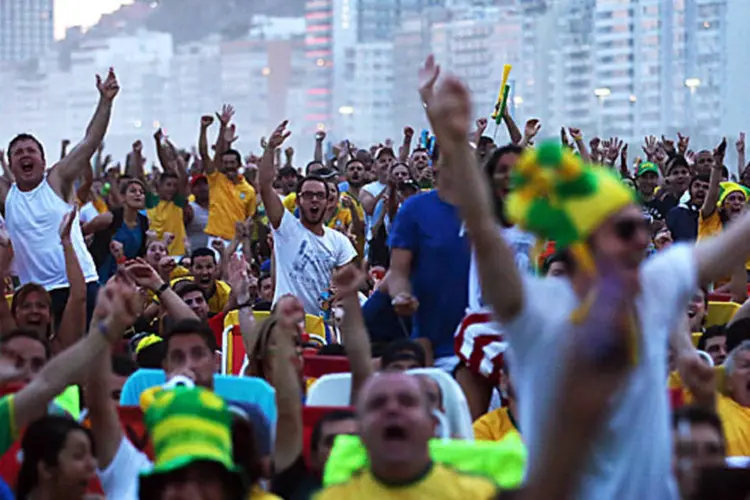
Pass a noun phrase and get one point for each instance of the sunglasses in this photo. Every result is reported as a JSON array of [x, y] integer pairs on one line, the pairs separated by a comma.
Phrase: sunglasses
[[627, 229]]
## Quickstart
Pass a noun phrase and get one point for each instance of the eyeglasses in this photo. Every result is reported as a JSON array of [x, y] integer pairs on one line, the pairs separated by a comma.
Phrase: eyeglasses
[[626, 229], [309, 195]]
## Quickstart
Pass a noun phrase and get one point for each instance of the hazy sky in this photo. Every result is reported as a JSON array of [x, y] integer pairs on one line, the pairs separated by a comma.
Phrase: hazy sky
[[81, 12]]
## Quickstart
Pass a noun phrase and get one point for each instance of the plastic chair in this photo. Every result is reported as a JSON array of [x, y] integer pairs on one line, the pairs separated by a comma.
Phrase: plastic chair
[[314, 325], [454, 403], [720, 313], [310, 417], [333, 389], [233, 354], [719, 297], [316, 366]]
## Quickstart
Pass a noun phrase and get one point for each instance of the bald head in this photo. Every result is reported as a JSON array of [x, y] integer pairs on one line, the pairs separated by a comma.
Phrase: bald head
[[383, 381]]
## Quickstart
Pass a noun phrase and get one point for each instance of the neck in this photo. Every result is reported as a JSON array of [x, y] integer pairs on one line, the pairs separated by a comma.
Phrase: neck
[[28, 186], [130, 215], [444, 190], [44, 492], [581, 284], [647, 197], [354, 190], [315, 228], [402, 473], [202, 203]]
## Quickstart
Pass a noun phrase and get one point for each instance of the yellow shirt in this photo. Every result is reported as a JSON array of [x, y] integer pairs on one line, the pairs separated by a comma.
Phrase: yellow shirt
[[711, 227], [342, 219], [218, 300], [229, 203], [257, 493], [290, 202], [100, 205], [168, 217], [735, 419], [493, 426], [441, 482]]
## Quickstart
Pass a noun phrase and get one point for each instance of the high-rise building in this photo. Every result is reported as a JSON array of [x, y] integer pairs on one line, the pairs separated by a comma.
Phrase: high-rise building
[[26, 28]]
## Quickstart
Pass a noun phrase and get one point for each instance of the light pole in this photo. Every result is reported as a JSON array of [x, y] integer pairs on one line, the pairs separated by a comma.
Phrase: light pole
[[601, 93], [692, 84]]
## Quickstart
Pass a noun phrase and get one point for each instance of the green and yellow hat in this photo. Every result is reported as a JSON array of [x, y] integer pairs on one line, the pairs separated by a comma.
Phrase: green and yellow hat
[[558, 198], [727, 188], [188, 425]]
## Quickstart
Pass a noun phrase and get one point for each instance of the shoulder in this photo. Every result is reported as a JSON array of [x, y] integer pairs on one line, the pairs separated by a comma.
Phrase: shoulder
[[344, 489], [465, 484]]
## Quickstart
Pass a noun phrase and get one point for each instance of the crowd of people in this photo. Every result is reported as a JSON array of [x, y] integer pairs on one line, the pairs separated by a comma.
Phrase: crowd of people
[[516, 319]]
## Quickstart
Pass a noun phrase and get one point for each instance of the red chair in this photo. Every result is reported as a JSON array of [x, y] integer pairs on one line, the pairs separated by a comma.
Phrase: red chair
[[233, 353], [719, 297], [310, 417], [316, 366]]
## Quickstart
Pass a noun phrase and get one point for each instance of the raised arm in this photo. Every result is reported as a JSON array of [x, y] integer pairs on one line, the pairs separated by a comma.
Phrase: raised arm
[[118, 306], [7, 323], [285, 380], [712, 196], [67, 170], [98, 223], [320, 136], [105, 422], [717, 257], [147, 277], [73, 323], [450, 116], [207, 162], [267, 174]]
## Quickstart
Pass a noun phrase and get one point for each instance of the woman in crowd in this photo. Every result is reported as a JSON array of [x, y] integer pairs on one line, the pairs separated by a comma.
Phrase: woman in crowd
[[119, 234]]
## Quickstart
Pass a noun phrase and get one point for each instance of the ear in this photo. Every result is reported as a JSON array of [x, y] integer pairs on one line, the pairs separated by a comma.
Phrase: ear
[[43, 470]]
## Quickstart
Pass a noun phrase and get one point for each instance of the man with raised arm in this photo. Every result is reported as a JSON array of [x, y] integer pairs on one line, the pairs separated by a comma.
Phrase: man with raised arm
[[36, 203], [306, 252], [591, 213]]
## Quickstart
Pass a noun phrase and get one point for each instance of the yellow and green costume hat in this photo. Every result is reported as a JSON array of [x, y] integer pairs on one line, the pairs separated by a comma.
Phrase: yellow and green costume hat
[[727, 188], [558, 198], [187, 425]]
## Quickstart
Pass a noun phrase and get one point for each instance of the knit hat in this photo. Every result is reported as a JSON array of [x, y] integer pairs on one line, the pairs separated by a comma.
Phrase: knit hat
[[187, 425], [558, 198], [727, 188]]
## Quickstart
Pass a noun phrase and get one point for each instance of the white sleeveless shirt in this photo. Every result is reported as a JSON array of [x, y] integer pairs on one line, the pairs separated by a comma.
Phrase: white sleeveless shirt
[[33, 221]]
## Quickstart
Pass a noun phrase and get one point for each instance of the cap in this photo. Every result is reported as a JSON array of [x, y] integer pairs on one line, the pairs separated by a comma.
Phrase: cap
[[262, 431], [197, 178], [646, 166]]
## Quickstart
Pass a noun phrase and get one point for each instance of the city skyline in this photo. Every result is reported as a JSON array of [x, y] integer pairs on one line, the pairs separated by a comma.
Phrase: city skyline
[[84, 13]]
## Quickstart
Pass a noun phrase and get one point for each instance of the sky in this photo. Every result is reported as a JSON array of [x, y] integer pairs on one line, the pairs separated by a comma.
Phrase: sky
[[81, 12]]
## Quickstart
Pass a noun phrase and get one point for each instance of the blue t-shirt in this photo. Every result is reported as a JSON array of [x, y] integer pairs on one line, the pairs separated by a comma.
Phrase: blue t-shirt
[[382, 322], [431, 230], [131, 239]]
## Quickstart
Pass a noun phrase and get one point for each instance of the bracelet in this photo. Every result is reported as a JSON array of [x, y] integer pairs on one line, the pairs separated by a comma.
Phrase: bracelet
[[164, 286]]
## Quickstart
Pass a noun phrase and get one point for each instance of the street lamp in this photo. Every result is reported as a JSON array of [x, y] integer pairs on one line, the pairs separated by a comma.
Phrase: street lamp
[[692, 84], [601, 93], [346, 110]]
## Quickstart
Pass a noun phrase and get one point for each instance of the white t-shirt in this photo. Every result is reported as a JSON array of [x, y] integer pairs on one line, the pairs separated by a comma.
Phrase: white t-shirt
[[521, 244], [120, 479], [305, 261], [88, 213], [631, 459], [374, 188]]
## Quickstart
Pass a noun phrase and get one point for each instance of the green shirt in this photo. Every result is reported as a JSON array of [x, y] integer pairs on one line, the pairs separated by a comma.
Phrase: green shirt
[[8, 429]]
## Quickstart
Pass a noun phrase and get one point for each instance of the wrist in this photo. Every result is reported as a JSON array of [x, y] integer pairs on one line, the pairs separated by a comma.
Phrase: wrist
[[160, 287]]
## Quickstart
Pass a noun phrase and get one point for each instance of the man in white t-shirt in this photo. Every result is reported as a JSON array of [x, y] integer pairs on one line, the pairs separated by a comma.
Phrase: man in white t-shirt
[[631, 455], [305, 251]]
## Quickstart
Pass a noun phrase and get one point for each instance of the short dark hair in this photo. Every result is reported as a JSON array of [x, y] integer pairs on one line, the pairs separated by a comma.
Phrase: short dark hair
[[695, 415], [27, 334], [310, 164], [167, 175], [20, 295], [264, 276], [287, 171], [677, 161], [189, 287], [122, 365], [737, 332], [25, 137], [701, 178], [311, 178], [354, 160], [711, 332], [559, 256], [202, 252], [234, 153], [192, 327], [400, 349], [334, 416]]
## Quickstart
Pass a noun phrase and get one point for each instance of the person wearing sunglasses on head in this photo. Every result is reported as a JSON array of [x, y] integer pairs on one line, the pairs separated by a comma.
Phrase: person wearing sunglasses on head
[[598, 219]]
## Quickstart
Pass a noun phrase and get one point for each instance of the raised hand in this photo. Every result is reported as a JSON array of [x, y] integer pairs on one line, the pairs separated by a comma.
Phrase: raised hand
[[159, 134], [108, 88], [575, 133], [207, 121], [118, 306], [624, 154], [289, 153], [650, 147], [449, 110], [320, 135], [347, 202], [66, 225], [143, 274], [741, 144], [682, 143], [564, 137], [230, 134], [348, 280], [218, 245], [138, 146], [720, 151], [427, 76], [117, 250], [408, 132], [167, 264], [239, 279], [481, 125], [280, 134], [531, 129], [615, 144], [226, 115]]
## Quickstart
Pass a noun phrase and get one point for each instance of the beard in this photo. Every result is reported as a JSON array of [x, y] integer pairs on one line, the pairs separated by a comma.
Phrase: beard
[[308, 218]]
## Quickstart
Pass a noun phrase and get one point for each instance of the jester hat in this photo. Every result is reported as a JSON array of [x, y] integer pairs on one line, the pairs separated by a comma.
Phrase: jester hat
[[558, 198], [727, 188]]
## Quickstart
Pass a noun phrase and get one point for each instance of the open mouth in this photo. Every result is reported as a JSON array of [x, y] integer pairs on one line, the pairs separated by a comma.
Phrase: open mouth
[[314, 211], [691, 313], [204, 280], [394, 433], [27, 166]]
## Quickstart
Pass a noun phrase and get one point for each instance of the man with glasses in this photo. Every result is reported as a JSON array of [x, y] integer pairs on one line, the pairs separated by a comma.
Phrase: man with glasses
[[306, 252], [597, 218]]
